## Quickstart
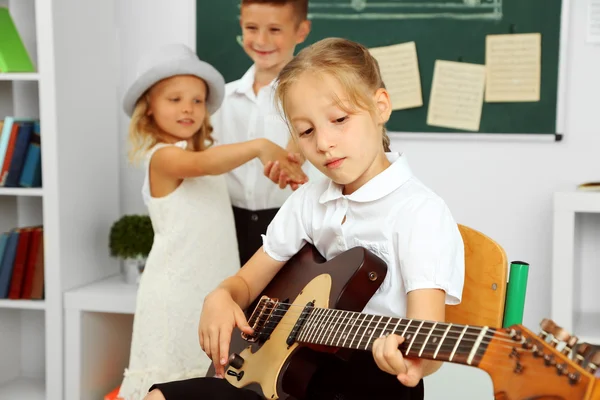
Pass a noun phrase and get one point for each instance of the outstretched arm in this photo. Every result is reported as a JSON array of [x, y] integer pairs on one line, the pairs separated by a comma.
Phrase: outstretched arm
[[177, 163]]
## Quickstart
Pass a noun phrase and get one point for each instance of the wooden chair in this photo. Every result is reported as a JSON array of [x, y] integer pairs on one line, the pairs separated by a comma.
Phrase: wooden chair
[[484, 292]]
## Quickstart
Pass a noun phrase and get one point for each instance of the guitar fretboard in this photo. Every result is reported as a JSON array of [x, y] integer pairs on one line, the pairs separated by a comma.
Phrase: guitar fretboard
[[424, 339]]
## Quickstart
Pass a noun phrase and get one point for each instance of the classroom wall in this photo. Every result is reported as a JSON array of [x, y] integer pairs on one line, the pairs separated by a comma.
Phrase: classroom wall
[[501, 188]]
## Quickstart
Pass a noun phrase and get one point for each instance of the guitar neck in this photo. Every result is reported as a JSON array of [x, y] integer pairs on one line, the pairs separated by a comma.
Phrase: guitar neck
[[431, 340]]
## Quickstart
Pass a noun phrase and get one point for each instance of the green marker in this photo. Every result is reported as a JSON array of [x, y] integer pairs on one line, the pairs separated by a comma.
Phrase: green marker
[[515, 293]]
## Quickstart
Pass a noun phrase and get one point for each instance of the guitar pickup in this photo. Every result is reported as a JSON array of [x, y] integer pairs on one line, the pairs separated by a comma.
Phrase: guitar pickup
[[291, 339]]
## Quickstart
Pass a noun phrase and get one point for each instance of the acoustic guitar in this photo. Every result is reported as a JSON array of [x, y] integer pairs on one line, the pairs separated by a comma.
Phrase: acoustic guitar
[[313, 305]]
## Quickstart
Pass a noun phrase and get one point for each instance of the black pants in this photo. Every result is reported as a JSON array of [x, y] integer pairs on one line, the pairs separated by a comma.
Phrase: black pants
[[249, 225], [357, 379]]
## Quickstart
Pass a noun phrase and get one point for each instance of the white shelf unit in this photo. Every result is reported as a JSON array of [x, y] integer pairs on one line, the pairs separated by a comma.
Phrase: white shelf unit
[[35, 192], [14, 76], [23, 304], [74, 94], [109, 295], [98, 323], [584, 325]]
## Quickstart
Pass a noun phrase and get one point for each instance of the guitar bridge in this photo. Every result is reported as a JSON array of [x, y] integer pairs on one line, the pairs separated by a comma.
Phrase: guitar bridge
[[265, 318]]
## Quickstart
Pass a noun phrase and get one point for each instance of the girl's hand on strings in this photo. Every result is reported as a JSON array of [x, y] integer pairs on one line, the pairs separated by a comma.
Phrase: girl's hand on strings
[[220, 314]]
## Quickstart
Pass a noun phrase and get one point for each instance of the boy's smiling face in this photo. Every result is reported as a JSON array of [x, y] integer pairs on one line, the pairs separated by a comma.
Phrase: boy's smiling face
[[270, 34]]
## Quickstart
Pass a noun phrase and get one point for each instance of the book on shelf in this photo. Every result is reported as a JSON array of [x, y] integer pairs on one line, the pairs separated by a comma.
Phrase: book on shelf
[[20, 153], [22, 263], [13, 54]]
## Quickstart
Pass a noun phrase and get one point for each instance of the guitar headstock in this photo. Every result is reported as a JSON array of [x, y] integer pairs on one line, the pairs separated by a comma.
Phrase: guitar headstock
[[525, 365]]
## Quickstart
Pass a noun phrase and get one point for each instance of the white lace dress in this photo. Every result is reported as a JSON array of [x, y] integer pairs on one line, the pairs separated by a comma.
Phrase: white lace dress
[[194, 249]]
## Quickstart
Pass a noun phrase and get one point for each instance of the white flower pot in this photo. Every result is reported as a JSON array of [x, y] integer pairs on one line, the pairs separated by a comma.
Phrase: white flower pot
[[132, 269]]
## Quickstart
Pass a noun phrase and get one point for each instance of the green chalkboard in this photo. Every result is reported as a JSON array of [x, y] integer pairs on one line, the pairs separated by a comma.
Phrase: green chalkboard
[[452, 30]]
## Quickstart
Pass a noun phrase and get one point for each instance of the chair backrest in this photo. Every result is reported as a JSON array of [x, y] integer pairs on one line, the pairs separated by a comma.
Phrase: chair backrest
[[484, 291]]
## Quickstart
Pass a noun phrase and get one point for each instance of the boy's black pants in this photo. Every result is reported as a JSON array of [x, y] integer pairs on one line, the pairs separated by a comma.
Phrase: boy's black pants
[[249, 225]]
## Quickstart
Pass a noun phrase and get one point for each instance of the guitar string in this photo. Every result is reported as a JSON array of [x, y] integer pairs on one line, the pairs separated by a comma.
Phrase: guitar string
[[286, 312], [364, 342], [417, 343], [358, 320], [465, 338], [317, 326], [333, 342]]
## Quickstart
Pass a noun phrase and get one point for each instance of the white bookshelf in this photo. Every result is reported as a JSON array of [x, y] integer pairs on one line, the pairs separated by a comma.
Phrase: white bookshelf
[[99, 324], [23, 304], [35, 192], [566, 265], [74, 94], [109, 295], [15, 77]]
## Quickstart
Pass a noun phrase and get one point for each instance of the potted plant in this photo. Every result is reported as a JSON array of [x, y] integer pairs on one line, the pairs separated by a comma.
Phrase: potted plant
[[131, 239]]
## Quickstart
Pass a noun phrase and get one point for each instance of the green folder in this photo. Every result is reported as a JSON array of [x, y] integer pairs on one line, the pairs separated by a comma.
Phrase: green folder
[[13, 55]]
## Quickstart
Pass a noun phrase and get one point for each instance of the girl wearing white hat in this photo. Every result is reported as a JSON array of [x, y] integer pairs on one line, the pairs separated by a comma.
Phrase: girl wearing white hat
[[170, 103]]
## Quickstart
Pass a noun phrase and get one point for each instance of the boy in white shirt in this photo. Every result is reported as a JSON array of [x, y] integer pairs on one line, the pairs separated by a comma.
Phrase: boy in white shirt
[[271, 29]]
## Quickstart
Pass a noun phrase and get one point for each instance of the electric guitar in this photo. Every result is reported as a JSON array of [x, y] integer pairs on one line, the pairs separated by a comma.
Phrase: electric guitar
[[313, 305]]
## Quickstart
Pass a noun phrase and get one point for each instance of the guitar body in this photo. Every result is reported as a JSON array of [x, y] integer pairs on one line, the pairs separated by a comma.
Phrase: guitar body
[[276, 370]]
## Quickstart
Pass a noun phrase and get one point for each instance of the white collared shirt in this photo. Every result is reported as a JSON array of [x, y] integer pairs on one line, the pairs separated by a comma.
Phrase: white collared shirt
[[244, 116], [395, 216]]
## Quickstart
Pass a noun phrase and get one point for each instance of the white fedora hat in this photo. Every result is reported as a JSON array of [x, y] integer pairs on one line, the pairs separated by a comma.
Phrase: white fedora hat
[[168, 61]]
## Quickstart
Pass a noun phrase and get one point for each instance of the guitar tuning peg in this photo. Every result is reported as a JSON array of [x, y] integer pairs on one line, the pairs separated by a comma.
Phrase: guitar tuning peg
[[560, 335], [516, 335], [584, 350], [569, 345], [557, 333], [548, 327], [594, 363]]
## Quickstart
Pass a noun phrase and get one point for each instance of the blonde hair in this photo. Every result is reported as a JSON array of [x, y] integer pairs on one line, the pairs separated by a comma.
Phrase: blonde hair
[[349, 62], [144, 133]]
